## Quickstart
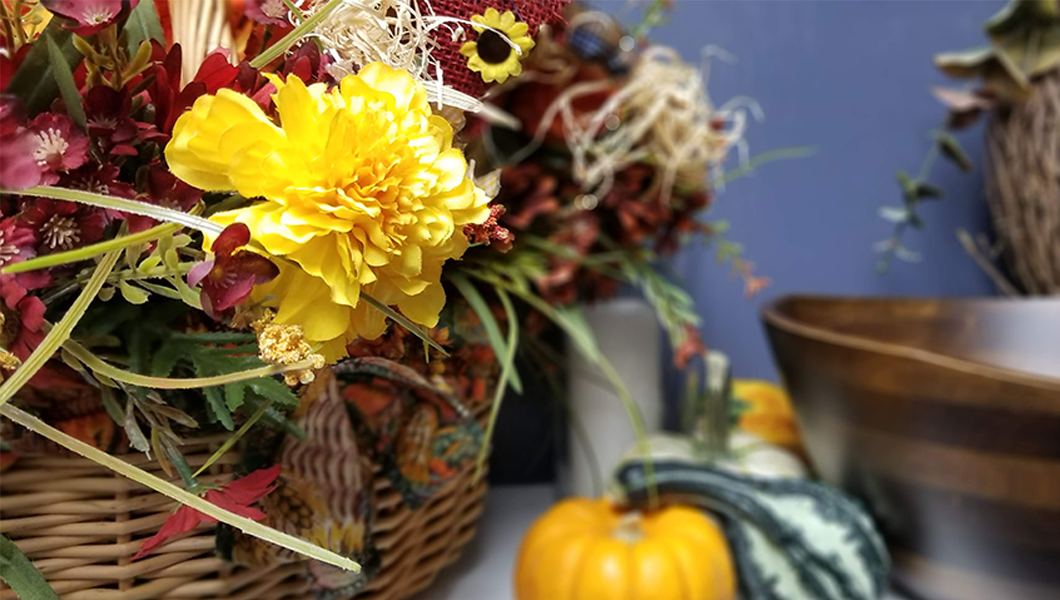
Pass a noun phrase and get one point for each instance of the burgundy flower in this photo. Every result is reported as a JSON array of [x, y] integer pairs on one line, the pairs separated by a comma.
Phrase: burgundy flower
[[99, 179], [90, 16], [18, 169], [228, 279], [235, 497], [162, 188], [59, 145], [23, 326], [58, 225], [169, 100], [107, 112]]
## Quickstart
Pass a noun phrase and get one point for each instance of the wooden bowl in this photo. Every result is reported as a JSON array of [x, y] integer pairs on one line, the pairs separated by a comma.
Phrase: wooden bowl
[[944, 417]]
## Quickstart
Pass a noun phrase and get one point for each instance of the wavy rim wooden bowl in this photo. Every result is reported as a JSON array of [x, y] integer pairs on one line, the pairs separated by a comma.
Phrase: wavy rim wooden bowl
[[959, 458], [772, 316]]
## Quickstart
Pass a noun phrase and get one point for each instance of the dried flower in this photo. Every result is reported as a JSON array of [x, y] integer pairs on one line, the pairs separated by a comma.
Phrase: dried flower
[[280, 344], [362, 189], [490, 232], [236, 497], [231, 275]]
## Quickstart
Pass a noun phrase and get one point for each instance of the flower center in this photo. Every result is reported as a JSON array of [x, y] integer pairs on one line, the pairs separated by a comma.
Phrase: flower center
[[10, 325], [274, 9], [7, 251], [493, 48], [95, 15], [61, 232], [50, 147]]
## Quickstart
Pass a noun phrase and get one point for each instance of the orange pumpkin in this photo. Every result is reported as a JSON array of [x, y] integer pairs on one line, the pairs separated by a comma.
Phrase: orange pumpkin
[[768, 413], [585, 549]]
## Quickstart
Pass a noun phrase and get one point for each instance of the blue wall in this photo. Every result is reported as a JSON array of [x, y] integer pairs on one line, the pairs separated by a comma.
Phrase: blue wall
[[850, 78]]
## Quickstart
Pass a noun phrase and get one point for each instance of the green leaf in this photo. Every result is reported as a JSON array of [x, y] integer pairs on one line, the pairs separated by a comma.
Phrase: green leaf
[[508, 364], [489, 323], [274, 419], [110, 404], [216, 402], [234, 394], [404, 321], [34, 83], [64, 78], [271, 389], [143, 24], [137, 439], [952, 150], [132, 295], [20, 575]]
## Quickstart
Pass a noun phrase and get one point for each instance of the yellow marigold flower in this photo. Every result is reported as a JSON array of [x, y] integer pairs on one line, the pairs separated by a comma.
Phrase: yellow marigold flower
[[492, 55], [362, 190]]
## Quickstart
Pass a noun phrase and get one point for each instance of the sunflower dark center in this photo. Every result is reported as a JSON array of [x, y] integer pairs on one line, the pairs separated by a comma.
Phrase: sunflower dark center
[[493, 48]]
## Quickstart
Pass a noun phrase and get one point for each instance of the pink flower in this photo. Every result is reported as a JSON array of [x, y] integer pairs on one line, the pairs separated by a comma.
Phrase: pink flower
[[269, 12], [18, 169], [235, 497], [228, 279], [22, 330], [16, 243], [59, 145], [90, 16]]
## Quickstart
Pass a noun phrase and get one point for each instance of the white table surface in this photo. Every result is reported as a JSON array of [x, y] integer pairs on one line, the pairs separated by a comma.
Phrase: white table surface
[[484, 571]]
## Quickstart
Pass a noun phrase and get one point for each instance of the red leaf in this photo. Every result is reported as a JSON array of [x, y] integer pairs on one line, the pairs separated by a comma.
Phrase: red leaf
[[216, 72], [182, 521]]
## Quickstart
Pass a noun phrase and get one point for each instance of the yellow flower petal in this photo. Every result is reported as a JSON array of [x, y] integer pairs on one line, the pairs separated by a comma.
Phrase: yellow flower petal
[[362, 193]]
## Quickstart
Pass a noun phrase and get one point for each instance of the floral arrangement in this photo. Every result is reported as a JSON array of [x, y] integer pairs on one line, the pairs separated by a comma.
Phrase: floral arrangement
[[353, 196], [607, 161]]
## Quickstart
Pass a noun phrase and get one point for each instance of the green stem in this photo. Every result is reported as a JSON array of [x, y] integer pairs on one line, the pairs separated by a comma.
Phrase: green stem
[[87, 252], [100, 367], [231, 441], [177, 459], [276, 50], [157, 213], [61, 332], [169, 490]]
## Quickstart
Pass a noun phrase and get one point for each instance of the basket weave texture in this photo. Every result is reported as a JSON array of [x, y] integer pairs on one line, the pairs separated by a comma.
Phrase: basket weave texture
[[1023, 186], [81, 525]]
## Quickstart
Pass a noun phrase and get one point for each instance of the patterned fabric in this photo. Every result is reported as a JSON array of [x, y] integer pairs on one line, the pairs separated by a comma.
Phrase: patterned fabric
[[420, 434], [362, 408]]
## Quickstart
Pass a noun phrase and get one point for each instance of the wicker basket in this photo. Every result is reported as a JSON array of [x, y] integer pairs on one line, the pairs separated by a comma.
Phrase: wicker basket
[[1023, 186], [81, 524]]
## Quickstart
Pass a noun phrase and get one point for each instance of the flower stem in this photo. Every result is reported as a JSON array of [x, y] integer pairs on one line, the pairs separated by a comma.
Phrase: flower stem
[[308, 24], [158, 213], [61, 332], [97, 365], [80, 254], [169, 490], [231, 441]]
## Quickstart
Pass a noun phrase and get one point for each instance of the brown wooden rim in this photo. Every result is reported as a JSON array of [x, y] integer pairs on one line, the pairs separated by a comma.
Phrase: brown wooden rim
[[772, 316]]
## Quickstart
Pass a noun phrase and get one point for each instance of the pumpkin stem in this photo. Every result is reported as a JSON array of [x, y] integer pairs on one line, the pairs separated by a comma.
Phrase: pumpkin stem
[[628, 529], [709, 405]]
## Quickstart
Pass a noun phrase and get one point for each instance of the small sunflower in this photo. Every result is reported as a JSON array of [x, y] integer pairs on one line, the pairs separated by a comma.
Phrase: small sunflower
[[492, 55]]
